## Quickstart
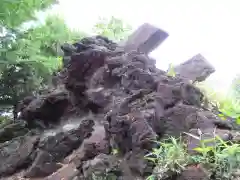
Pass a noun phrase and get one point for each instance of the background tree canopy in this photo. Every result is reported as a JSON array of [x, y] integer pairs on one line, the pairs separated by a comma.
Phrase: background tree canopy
[[113, 28], [14, 13]]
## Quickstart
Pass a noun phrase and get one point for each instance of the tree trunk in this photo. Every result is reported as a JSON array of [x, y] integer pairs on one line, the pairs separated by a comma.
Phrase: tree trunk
[[15, 112]]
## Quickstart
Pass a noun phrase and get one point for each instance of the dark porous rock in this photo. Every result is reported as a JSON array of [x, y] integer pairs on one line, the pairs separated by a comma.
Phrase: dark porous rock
[[91, 147], [17, 154], [43, 165], [68, 172], [42, 108], [138, 164], [130, 131], [174, 90], [98, 100], [194, 173], [103, 165], [90, 55], [176, 120], [54, 149], [24, 103], [13, 130], [107, 100]]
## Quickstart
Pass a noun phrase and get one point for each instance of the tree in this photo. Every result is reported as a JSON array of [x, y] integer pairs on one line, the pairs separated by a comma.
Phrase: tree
[[114, 28], [17, 81], [28, 57], [34, 57], [14, 13], [42, 43]]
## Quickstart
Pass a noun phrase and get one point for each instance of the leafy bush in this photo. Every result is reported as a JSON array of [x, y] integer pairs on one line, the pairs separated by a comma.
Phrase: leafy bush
[[4, 120]]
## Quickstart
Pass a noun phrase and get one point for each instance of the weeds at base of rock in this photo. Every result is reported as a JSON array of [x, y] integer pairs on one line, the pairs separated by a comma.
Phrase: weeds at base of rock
[[221, 160], [169, 158]]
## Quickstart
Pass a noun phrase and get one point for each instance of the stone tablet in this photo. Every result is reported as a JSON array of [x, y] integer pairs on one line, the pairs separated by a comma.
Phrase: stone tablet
[[196, 69], [145, 39]]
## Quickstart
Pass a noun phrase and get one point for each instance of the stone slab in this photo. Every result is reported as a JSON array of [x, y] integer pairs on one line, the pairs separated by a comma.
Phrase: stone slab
[[197, 69], [145, 39]]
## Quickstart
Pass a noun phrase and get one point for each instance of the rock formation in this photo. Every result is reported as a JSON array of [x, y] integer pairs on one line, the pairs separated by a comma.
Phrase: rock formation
[[108, 100]]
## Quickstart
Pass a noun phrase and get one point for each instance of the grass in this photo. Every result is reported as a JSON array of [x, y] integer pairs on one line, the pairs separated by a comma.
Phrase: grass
[[222, 160], [170, 157]]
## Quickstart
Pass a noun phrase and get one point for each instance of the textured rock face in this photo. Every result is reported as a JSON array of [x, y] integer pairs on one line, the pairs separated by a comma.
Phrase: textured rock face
[[16, 153], [196, 69], [193, 173], [145, 39], [46, 108], [119, 102]]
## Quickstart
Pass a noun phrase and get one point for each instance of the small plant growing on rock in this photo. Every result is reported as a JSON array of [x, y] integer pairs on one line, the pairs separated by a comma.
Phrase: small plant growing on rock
[[222, 159], [171, 71], [171, 157]]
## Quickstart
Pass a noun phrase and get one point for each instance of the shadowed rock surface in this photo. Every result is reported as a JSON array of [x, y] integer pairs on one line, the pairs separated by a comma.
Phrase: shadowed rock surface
[[108, 100]]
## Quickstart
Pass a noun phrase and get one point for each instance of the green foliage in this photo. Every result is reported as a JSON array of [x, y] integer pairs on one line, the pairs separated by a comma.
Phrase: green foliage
[[171, 71], [27, 59], [42, 43], [221, 159], [4, 120], [115, 29], [18, 80], [17, 70], [170, 157], [15, 12]]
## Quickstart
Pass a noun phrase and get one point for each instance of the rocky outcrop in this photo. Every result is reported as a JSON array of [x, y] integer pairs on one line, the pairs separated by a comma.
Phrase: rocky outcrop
[[113, 107], [196, 69]]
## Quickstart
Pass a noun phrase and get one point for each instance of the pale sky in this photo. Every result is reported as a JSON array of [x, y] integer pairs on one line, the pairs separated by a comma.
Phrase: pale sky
[[209, 27]]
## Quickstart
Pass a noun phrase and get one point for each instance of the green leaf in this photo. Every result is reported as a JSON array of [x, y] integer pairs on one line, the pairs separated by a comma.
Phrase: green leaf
[[201, 150], [238, 120], [171, 71]]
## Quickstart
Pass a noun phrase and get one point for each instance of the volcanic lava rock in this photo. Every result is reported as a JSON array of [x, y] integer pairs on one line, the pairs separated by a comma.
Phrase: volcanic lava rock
[[196, 69], [54, 149], [132, 103], [47, 108], [17, 153], [13, 130]]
